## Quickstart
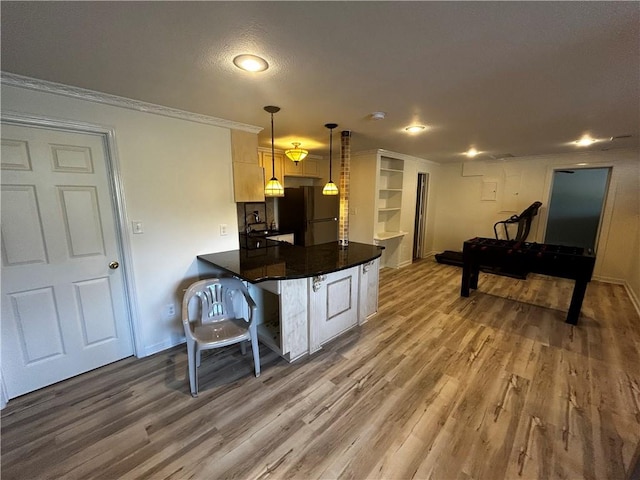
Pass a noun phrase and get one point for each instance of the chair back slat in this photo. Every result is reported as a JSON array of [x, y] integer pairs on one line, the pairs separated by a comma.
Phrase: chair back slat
[[215, 303]]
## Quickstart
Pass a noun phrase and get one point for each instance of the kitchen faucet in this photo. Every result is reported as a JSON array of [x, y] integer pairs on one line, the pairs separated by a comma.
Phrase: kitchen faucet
[[256, 220]]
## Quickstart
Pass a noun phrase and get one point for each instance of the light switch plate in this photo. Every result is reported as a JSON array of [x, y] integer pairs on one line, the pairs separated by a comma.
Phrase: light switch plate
[[137, 227]]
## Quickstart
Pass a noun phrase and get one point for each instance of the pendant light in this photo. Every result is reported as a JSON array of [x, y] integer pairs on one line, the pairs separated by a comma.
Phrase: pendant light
[[274, 187], [296, 153], [330, 188]]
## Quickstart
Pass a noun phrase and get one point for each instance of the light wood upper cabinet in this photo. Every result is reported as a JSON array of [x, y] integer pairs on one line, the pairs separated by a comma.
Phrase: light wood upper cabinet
[[244, 147], [248, 182], [308, 167], [248, 176], [265, 163]]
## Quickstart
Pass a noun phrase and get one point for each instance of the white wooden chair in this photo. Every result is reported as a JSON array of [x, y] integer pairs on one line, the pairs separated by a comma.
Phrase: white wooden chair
[[216, 320]]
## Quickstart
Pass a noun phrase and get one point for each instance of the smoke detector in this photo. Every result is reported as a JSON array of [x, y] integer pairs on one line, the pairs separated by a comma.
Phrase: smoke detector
[[378, 115]]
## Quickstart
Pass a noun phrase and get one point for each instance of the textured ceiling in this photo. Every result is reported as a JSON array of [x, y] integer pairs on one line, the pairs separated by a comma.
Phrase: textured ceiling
[[519, 78]]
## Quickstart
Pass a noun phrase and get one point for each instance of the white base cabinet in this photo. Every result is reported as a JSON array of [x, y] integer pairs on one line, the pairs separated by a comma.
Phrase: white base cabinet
[[368, 297], [333, 306], [282, 316], [296, 317]]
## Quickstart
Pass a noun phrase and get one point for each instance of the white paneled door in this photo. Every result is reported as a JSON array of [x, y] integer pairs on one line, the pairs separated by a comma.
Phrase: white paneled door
[[64, 310]]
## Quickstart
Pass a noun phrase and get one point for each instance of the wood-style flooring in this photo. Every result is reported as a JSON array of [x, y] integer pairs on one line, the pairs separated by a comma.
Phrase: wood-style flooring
[[435, 386]]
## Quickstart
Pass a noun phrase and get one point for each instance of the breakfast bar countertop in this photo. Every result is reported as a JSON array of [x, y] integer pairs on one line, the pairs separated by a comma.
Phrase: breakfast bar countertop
[[280, 261]]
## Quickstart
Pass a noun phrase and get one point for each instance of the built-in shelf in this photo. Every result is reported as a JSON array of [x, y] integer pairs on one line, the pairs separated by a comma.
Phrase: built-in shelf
[[388, 235], [378, 209], [269, 334]]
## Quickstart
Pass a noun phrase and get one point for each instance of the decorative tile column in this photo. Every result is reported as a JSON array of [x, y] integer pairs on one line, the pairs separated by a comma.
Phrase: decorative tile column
[[345, 171]]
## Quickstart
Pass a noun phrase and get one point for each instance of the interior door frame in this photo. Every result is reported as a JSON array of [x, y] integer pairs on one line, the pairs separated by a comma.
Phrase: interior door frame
[[602, 237], [118, 203], [422, 233]]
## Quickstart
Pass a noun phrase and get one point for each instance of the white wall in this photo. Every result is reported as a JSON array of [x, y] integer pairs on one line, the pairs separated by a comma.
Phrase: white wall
[[461, 214], [177, 180]]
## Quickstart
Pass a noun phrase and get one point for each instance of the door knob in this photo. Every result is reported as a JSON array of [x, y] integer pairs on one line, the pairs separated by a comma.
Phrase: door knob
[[113, 265]]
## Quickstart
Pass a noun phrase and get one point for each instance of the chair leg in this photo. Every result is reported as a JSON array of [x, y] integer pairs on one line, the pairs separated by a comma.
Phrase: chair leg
[[192, 354], [256, 354], [243, 347]]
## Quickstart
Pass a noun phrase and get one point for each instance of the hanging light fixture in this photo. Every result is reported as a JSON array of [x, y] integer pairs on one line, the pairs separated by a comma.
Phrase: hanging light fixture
[[274, 187], [330, 188], [296, 154]]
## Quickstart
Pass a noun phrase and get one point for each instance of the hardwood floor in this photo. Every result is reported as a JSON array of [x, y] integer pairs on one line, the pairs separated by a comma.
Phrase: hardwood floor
[[435, 386]]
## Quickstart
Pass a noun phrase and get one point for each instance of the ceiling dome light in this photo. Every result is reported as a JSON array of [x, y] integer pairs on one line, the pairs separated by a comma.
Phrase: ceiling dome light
[[585, 141], [415, 128], [472, 152], [296, 154], [250, 63]]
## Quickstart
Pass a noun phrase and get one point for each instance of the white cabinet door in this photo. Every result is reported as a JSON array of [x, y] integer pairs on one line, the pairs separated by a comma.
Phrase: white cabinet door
[[333, 305], [369, 280], [63, 308]]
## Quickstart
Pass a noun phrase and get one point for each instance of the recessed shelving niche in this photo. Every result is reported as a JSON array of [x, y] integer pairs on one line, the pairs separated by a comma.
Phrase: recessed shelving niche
[[376, 202]]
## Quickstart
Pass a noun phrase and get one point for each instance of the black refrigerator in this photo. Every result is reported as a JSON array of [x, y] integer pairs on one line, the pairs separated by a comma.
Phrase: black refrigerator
[[311, 216]]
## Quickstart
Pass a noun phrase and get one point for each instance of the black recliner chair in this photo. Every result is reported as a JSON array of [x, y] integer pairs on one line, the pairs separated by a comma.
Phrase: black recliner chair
[[523, 220]]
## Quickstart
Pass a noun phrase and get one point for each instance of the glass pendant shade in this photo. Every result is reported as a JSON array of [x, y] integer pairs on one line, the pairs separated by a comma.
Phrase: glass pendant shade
[[274, 188], [330, 188], [296, 154]]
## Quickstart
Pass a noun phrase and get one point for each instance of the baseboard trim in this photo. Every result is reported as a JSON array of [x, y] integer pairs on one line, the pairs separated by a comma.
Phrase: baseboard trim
[[160, 347], [617, 281], [633, 297]]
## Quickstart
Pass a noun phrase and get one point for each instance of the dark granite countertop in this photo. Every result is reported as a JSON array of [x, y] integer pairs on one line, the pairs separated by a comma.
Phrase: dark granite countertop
[[281, 261]]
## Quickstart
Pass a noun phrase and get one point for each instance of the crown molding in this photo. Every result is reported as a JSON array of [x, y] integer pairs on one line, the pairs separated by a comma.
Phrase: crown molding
[[15, 80]]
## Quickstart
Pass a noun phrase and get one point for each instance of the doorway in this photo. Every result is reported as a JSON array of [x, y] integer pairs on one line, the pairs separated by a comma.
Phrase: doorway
[[64, 301], [420, 215], [576, 206]]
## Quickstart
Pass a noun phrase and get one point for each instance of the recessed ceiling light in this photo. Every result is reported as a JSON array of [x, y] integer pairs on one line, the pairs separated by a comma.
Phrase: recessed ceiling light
[[472, 152], [415, 128], [250, 63], [585, 141]]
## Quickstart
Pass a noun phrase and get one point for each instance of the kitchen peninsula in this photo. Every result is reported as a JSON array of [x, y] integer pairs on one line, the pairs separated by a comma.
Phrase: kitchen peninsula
[[306, 296]]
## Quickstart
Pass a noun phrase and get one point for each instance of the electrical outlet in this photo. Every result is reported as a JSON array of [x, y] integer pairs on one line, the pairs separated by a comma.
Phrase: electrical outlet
[[170, 310], [223, 229]]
